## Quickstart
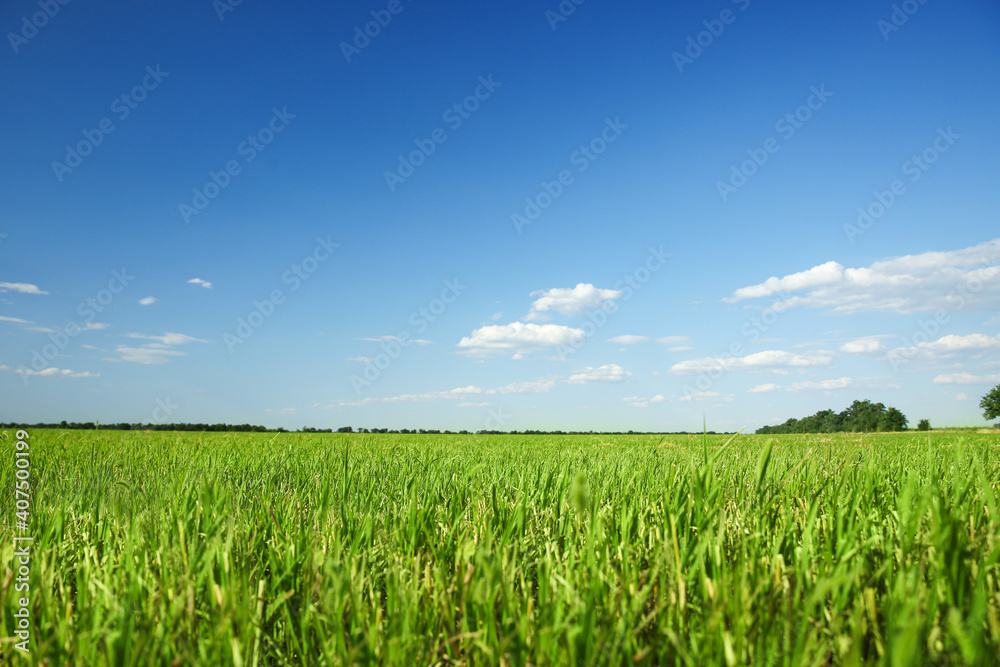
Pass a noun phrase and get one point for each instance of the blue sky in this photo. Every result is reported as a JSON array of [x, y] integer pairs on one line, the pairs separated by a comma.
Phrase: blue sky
[[501, 216]]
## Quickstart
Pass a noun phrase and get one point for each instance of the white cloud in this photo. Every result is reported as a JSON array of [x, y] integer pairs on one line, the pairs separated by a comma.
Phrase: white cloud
[[570, 300], [869, 345], [674, 340], [517, 338], [15, 320], [928, 281], [23, 288], [948, 346], [147, 355], [50, 372], [628, 339], [764, 388], [606, 373], [169, 338], [199, 281], [769, 361], [680, 348], [474, 405], [362, 359], [147, 300], [158, 352], [961, 397], [496, 316], [810, 385], [966, 378]]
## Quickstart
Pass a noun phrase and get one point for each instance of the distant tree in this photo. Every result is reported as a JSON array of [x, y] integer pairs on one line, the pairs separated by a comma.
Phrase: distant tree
[[924, 425], [991, 403], [862, 416], [345, 429], [892, 420]]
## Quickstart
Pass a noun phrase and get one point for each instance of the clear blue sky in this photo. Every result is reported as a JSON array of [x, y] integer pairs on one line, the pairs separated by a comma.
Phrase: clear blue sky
[[638, 295]]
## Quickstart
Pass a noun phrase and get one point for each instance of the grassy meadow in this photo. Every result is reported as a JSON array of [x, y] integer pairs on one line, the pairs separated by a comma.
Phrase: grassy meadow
[[353, 549]]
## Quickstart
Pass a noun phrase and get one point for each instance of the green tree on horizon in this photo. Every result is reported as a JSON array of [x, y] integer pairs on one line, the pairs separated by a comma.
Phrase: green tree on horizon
[[991, 403]]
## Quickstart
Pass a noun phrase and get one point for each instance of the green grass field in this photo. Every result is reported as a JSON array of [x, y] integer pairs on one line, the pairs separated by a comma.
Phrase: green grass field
[[289, 549]]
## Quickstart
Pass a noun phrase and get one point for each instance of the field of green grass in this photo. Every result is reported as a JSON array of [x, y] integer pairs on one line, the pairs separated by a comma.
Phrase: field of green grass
[[287, 549]]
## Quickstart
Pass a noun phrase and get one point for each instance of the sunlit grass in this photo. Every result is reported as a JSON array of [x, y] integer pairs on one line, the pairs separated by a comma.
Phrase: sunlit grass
[[288, 549]]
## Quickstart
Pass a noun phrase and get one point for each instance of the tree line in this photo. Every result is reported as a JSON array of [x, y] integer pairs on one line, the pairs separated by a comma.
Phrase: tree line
[[860, 416], [243, 428]]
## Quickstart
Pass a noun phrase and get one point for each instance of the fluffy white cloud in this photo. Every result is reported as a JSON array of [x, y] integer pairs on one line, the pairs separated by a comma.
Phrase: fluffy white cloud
[[769, 361], [23, 288], [871, 345], [569, 300], [628, 339], [974, 345], [606, 373], [15, 320], [147, 300], [966, 278], [199, 281], [966, 378], [517, 338], [810, 385]]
